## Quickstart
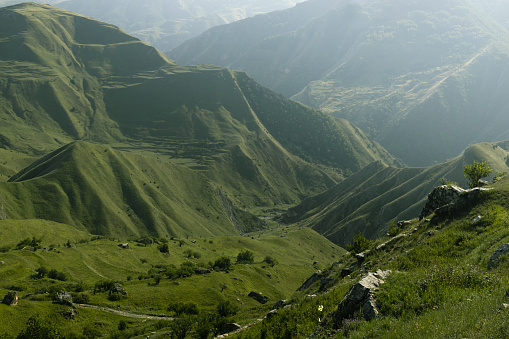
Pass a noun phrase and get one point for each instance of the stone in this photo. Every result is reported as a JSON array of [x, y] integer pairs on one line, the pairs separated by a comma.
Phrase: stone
[[64, 298], [349, 270], [446, 200], [118, 289], [311, 280], [70, 313], [502, 250], [230, 327], [262, 299], [11, 298], [402, 223], [476, 219], [124, 246], [360, 299]]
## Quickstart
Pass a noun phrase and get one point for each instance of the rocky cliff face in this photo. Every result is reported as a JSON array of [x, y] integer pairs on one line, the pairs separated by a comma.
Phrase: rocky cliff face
[[445, 200]]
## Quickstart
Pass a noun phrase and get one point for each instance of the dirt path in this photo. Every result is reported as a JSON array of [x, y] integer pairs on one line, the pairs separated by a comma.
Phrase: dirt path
[[123, 313]]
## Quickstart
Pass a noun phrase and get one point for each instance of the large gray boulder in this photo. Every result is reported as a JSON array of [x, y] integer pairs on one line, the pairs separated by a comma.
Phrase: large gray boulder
[[360, 299], [64, 298], [502, 250], [446, 200]]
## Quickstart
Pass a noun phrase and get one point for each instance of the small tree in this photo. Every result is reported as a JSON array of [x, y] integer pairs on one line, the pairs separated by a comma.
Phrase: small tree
[[245, 257], [359, 244], [476, 171], [270, 261]]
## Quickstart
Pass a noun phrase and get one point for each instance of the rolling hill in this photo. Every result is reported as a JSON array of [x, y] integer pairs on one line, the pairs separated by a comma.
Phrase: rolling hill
[[67, 77], [408, 74], [368, 201]]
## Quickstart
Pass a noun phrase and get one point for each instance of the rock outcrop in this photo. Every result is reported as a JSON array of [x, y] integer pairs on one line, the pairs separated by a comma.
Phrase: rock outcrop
[[311, 280], [262, 299], [360, 299], [502, 250], [64, 298], [11, 298], [446, 200]]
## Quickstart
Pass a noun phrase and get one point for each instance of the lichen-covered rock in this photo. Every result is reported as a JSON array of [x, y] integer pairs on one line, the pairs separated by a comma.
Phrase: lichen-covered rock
[[502, 250], [360, 299], [117, 292], [11, 298], [446, 200]]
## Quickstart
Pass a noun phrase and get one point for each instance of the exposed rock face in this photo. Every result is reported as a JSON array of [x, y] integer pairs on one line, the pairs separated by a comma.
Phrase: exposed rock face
[[360, 299], [445, 200], [279, 304], [11, 298], [124, 246], [502, 250], [262, 299], [314, 278]]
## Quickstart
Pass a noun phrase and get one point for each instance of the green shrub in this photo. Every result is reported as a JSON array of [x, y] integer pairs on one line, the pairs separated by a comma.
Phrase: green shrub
[[223, 263], [476, 171], [39, 329], [245, 257], [359, 244], [5, 249], [227, 309], [80, 298], [54, 274], [180, 308], [164, 248], [270, 261]]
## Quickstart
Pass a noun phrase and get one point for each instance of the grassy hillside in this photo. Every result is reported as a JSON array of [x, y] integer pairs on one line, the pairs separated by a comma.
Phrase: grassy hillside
[[368, 201], [86, 261], [79, 79], [112, 193], [439, 286], [408, 74]]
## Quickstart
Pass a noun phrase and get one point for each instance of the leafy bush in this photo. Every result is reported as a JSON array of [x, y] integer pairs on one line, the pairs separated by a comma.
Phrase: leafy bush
[[227, 309], [164, 248], [41, 272], [245, 257], [5, 249], [223, 263], [80, 298], [39, 329], [54, 274], [103, 286], [359, 244], [270, 261], [475, 172], [35, 243], [180, 328], [180, 308]]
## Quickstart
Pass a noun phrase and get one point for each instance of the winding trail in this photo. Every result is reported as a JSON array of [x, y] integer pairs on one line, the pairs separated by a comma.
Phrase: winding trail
[[124, 313]]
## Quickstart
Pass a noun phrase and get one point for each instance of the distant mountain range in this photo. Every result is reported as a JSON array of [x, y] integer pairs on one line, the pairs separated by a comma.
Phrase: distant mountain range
[[166, 24], [425, 79]]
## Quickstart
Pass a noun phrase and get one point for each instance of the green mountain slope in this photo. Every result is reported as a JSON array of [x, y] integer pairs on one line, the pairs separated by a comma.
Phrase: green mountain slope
[[66, 77], [368, 201], [439, 283], [111, 193], [407, 73]]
